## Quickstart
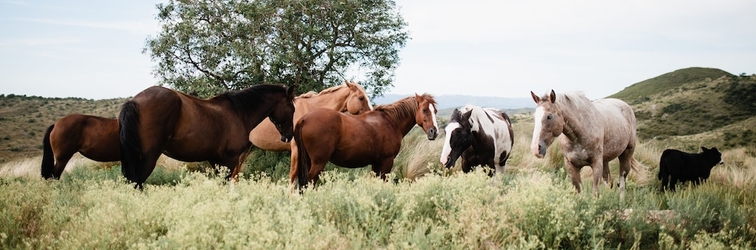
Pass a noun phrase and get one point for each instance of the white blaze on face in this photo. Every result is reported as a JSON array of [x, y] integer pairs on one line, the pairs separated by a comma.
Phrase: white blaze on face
[[433, 115], [538, 121], [447, 147]]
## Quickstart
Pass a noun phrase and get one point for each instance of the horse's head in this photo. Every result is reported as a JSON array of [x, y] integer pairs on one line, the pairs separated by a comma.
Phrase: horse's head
[[425, 115], [357, 102], [283, 115], [548, 123], [458, 137]]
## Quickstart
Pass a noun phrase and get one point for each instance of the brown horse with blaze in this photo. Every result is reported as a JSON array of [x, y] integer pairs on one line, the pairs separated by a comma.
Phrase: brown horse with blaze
[[353, 141]]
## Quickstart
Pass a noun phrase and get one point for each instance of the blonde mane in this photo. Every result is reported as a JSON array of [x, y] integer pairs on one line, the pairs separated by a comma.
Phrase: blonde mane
[[325, 91]]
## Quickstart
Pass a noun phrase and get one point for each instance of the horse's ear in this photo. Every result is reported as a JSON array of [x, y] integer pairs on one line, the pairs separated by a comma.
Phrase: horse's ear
[[418, 98], [291, 90], [552, 95], [536, 99], [466, 115]]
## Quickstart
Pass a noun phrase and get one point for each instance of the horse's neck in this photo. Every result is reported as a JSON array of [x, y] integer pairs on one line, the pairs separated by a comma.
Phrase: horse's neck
[[580, 124]]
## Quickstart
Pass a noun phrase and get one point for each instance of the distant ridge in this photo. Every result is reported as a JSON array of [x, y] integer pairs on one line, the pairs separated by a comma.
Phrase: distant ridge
[[455, 101], [668, 81]]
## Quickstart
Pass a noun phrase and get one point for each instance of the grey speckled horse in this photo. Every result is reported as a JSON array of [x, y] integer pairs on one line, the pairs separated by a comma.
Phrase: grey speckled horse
[[592, 134]]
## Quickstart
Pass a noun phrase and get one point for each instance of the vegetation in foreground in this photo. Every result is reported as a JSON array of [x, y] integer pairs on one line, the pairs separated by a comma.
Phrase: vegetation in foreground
[[533, 206]]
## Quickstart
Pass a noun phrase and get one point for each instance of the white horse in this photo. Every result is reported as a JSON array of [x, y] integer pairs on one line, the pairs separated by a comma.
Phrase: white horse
[[482, 136]]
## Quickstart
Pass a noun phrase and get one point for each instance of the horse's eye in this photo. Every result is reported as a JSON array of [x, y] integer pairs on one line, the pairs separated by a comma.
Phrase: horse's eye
[[549, 117]]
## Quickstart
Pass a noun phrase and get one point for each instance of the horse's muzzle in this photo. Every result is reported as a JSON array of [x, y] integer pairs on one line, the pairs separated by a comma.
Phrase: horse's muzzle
[[432, 134], [539, 150]]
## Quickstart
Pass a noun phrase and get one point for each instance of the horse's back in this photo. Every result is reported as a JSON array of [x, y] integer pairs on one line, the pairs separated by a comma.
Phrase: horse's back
[[619, 125]]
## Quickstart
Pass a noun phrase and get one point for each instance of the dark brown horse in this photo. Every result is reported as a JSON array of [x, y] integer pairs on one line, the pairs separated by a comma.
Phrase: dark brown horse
[[353, 141], [94, 137], [160, 120]]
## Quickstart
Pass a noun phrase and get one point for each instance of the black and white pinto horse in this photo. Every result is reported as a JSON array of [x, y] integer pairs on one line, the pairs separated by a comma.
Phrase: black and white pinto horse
[[482, 136]]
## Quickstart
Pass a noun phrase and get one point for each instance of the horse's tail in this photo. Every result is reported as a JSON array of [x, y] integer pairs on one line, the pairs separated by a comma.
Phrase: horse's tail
[[303, 158], [48, 158], [635, 164], [131, 157]]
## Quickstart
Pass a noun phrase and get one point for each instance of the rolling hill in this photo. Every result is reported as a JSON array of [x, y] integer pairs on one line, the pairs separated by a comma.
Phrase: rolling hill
[[695, 106]]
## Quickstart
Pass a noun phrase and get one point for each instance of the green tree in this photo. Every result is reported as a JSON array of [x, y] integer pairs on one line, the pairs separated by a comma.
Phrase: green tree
[[206, 46]]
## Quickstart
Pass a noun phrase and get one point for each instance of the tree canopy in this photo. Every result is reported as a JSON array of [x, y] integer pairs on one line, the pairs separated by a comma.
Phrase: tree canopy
[[206, 47]]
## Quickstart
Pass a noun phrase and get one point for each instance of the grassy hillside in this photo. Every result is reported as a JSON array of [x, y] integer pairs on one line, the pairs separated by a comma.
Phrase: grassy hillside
[[24, 119], [642, 91], [694, 101]]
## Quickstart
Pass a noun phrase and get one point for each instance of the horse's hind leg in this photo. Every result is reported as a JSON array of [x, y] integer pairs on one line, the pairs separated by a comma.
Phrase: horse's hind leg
[[381, 169], [150, 160], [625, 159]]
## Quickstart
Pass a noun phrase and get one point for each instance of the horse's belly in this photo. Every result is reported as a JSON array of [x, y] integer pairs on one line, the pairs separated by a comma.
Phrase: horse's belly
[[350, 161]]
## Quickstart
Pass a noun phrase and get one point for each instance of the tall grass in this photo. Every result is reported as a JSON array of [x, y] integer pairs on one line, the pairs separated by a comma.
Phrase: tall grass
[[532, 206]]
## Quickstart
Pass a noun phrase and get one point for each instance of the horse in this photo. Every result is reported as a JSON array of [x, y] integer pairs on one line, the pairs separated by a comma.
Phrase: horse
[[160, 120], [350, 97], [354, 141], [592, 134], [94, 137], [482, 136]]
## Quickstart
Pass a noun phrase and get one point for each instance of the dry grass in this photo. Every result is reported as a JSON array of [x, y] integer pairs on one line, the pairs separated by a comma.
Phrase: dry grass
[[30, 167]]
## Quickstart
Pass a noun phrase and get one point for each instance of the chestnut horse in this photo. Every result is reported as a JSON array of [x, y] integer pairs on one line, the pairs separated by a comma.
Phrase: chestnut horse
[[94, 137], [482, 136], [160, 120], [592, 134], [350, 97], [353, 141]]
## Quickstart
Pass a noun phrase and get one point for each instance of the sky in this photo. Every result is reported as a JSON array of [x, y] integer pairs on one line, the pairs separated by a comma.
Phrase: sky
[[501, 48]]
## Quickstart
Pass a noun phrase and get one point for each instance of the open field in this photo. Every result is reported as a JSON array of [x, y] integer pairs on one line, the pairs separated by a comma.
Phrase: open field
[[533, 206]]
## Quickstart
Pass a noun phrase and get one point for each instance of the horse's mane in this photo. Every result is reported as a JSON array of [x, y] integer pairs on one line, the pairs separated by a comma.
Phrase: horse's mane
[[325, 91], [243, 100], [404, 107], [328, 90], [574, 100]]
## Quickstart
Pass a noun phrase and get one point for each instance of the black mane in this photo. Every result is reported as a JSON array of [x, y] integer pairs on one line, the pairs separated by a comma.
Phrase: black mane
[[246, 99]]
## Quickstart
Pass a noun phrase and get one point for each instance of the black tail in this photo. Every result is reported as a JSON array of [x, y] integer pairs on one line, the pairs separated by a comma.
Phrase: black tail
[[48, 159], [303, 158], [131, 152]]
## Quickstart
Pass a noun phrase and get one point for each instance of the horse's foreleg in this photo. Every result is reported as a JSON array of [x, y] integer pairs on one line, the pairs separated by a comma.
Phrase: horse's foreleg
[[574, 174], [293, 166], [239, 163], [150, 160]]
